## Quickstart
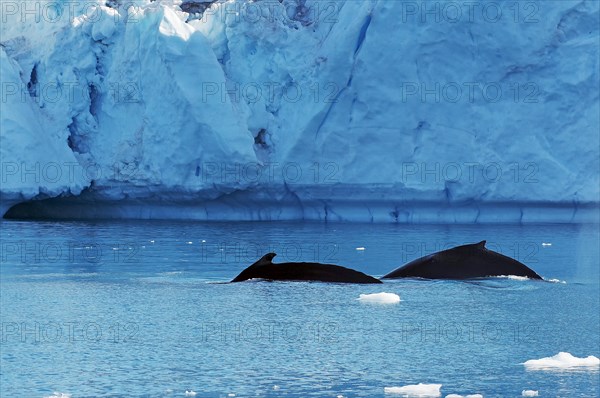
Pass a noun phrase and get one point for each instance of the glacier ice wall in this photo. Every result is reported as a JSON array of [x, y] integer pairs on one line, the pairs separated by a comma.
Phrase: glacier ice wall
[[36, 161], [406, 111]]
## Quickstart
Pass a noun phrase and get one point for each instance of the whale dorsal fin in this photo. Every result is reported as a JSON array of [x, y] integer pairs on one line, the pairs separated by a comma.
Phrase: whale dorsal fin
[[480, 245], [266, 259]]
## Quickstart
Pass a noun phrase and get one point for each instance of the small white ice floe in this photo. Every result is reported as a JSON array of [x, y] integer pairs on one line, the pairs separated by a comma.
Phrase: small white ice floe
[[563, 360], [189, 243], [190, 393], [152, 241], [203, 241], [360, 249], [56, 394], [231, 395], [379, 298], [275, 387], [529, 393], [416, 390], [464, 396], [546, 244]]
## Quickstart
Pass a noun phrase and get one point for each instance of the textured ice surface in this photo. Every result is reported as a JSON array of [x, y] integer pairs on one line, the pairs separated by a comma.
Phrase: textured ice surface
[[371, 111]]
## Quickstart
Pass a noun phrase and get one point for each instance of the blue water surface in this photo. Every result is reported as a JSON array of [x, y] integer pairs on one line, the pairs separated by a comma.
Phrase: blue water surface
[[137, 309]]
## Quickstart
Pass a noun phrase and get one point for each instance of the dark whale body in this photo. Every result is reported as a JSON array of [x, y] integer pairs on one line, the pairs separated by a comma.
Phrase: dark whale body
[[265, 269], [463, 262]]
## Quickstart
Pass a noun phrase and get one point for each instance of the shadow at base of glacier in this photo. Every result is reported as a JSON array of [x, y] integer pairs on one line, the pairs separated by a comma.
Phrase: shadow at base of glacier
[[332, 203]]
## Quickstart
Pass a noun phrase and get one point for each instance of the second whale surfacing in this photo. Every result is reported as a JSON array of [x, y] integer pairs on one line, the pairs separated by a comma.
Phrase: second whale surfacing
[[266, 269], [463, 262]]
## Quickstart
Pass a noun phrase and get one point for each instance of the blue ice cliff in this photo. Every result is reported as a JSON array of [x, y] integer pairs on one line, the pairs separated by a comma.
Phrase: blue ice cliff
[[402, 111]]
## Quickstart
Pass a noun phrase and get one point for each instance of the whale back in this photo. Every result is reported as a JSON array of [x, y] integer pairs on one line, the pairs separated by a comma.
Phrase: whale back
[[463, 262], [266, 269], [315, 272]]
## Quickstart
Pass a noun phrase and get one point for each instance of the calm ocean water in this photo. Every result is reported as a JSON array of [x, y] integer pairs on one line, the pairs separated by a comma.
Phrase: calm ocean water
[[135, 309]]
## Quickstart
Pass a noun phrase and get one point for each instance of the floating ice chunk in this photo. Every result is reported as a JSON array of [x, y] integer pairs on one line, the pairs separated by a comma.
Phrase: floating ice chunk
[[189, 243], [529, 393], [380, 298], [562, 360], [190, 393], [416, 390], [464, 396], [360, 249], [275, 388], [59, 395], [546, 244]]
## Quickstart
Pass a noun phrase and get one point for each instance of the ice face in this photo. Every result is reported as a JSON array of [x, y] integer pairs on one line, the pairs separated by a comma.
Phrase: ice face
[[36, 161], [382, 111]]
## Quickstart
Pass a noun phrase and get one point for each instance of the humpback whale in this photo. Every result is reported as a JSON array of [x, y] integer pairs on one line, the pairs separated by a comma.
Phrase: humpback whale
[[266, 269], [463, 262]]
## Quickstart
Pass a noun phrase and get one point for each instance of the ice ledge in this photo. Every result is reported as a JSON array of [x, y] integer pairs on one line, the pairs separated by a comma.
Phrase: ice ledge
[[379, 204]]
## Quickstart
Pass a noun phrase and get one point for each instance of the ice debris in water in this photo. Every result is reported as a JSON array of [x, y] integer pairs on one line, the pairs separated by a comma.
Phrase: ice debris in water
[[416, 390], [380, 298], [529, 393], [562, 360]]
